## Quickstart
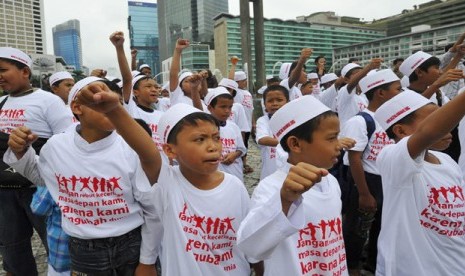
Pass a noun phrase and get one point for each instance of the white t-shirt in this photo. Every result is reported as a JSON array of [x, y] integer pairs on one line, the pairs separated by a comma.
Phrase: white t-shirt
[[308, 241], [177, 96], [356, 128], [231, 139], [43, 112], [163, 104], [348, 105], [238, 117], [422, 229], [329, 97], [245, 98], [294, 92], [197, 228], [101, 188], [269, 154]]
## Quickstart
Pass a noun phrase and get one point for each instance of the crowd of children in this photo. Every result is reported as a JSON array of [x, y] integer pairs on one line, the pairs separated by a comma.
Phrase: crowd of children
[[131, 177]]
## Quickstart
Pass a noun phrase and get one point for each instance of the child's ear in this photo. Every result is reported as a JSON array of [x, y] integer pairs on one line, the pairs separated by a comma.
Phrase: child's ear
[[210, 108], [400, 131], [294, 144], [170, 150], [76, 108]]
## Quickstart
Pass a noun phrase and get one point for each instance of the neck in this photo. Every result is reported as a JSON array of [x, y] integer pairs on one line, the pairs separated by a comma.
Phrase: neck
[[418, 86], [21, 92], [93, 135], [373, 106], [202, 181]]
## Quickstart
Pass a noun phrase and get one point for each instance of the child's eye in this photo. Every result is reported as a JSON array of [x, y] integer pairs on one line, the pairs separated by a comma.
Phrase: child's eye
[[199, 139]]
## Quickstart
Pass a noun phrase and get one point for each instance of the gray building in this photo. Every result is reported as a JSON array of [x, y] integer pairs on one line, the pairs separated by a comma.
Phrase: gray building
[[188, 19]]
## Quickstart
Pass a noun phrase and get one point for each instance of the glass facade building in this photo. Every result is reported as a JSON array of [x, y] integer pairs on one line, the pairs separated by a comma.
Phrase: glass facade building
[[188, 19], [284, 40], [67, 42], [22, 25], [143, 33]]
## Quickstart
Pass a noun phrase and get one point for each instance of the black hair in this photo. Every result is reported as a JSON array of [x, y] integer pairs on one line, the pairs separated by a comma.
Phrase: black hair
[[353, 59], [276, 87], [272, 80], [432, 61], [293, 66], [191, 120], [57, 83], [318, 59], [371, 93], [212, 82], [448, 46], [136, 85], [222, 96], [305, 130], [397, 60], [18, 65]]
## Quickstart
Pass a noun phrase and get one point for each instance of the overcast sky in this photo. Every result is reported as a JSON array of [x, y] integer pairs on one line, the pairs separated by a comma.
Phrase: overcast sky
[[99, 18]]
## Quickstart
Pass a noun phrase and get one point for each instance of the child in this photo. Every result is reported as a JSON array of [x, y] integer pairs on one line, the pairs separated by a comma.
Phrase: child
[[365, 195], [315, 81], [199, 208], [423, 210], [237, 112], [99, 178], [220, 103], [47, 115], [61, 83], [307, 89], [331, 84], [274, 97], [295, 222]]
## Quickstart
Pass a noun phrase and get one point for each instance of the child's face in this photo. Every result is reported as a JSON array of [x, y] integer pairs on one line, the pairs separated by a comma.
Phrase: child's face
[[147, 92], [13, 79], [274, 101], [242, 84], [307, 89], [146, 71], [197, 149], [394, 89], [165, 93], [222, 109], [324, 149], [93, 120], [62, 90], [314, 81], [431, 75]]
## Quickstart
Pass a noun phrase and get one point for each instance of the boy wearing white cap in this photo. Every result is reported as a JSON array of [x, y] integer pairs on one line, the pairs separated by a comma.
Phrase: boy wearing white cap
[[61, 83], [350, 101], [220, 103], [198, 207], [422, 230], [295, 223], [331, 84], [101, 179], [47, 115], [315, 81], [365, 195], [237, 112]]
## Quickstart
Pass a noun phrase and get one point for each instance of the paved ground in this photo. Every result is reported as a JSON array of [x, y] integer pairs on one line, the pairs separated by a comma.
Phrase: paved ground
[[251, 180]]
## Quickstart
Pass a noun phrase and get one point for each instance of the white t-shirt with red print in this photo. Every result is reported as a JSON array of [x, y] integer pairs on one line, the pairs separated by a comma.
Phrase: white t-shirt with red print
[[422, 229], [356, 128], [231, 139], [308, 241], [42, 112], [238, 117], [269, 154], [349, 104], [294, 92], [246, 100], [329, 97], [101, 188], [197, 228]]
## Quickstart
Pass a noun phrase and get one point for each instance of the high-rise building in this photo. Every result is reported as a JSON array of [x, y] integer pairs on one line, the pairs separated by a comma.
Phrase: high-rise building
[[22, 25], [143, 33], [188, 19], [67, 42]]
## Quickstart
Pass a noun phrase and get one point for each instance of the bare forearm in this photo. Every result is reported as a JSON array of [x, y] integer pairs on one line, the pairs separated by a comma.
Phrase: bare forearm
[[175, 68], [125, 72], [268, 141]]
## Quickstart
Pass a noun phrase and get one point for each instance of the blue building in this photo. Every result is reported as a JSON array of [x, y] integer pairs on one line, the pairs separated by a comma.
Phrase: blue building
[[67, 42], [143, 33]]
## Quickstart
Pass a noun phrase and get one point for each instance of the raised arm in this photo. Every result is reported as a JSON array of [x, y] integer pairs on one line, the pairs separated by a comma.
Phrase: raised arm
[[133, 59], [232, 70], [181, 44], [117, 39], [295, 74], [374, 64]]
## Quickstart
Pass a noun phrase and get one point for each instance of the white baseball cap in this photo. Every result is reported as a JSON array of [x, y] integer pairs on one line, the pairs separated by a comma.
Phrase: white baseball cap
[[294, 114], [63, 75], [398, 107], [376, 79], [312, 76], [328, 77], [79, 85], [171, 117], [225, 82], [412, 62], [16, 55], [349, 67], [143, 66], [213, 93], [239, 76], [284, 70]]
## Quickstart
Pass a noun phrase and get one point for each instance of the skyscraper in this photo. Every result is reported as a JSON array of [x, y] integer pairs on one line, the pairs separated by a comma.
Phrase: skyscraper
[[188, 19], [21, 25], [67, 42], [143, 33]]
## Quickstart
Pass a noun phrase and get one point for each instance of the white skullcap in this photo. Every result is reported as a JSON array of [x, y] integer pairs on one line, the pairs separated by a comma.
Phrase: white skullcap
[[349, 67], [294, 114], [79, 85], [183, 76], [135, 73], [166, 86], [284, 70], [225, 82], [143, 66], [377, 78], [213, 93], [405, 82], [398, 107], [239, 76], [269, 77], [412, 62], [328, 77], [262, 89], [171, 117], [136, 79], [312, 76], [15, 54], [59, 76]]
